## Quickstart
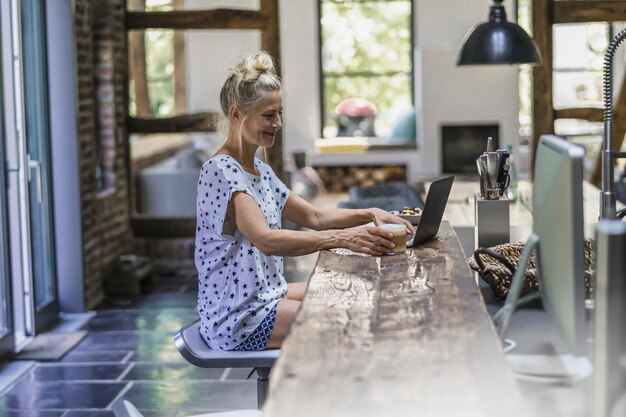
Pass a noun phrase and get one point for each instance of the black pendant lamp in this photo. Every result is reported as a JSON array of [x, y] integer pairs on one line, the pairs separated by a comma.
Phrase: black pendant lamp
[[497, 42]]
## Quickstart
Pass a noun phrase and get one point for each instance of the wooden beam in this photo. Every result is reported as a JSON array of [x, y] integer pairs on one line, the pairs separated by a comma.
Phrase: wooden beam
[[588, 11], [137, 72], [543, 110], [591, 114], [198, 122], [196, 19], [270, 36]]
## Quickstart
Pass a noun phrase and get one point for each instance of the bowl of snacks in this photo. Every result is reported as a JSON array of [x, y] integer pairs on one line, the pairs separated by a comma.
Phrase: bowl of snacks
[[411, 214]]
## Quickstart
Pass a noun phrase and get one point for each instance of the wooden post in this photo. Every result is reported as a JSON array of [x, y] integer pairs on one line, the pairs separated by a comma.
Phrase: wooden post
[[543, 110], [137, 64], [270, 42], [180, 66]]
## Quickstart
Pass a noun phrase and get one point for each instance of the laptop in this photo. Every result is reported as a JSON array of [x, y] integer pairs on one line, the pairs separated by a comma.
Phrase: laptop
[[436, 201]]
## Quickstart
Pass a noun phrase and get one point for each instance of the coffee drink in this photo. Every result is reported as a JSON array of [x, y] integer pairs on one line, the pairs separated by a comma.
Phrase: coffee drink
[[399, 237]]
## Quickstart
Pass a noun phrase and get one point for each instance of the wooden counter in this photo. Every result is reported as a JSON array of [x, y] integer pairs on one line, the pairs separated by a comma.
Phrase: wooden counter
[[404, 335]]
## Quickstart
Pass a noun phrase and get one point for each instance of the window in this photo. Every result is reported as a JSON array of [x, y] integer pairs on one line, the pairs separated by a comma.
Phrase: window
[[577, 59], [164, 63], [178, 78], [577, 72], [578, 54], [367, 69], [577, 80]]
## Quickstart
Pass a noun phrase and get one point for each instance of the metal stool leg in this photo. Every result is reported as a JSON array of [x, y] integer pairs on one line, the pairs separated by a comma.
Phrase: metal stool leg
[[262, 385]]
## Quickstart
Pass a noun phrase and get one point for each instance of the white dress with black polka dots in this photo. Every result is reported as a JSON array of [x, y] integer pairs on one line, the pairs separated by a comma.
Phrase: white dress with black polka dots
[[237, 284]]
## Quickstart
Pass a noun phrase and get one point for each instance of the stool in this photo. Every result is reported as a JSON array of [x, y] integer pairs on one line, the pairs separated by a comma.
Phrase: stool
[[194, 349]]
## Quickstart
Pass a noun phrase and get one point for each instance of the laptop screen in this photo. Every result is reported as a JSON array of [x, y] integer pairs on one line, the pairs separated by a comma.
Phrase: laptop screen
[[432, 214]]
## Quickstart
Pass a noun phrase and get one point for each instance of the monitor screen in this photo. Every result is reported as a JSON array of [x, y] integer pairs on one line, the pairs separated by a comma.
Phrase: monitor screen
[[558, 225]]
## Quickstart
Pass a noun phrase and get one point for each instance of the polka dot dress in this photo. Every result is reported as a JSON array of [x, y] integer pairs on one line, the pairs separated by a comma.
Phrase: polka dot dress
[[238, 286]]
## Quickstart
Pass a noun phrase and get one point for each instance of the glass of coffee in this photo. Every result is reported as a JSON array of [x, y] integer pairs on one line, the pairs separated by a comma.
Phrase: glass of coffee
[[399, 237]]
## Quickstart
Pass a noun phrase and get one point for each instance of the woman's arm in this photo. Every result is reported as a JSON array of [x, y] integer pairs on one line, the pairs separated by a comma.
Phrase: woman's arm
[[304, 214], [251, 222]]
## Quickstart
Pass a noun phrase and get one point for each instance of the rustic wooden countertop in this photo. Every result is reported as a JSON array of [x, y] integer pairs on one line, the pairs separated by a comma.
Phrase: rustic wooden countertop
[[404, 335]]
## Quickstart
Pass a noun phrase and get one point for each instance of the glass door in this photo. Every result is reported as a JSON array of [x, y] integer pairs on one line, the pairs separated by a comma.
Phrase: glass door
[[29, 195], [6, 320], [36, 123]]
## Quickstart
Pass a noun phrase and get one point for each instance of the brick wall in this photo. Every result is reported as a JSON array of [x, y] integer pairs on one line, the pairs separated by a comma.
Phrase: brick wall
[[100, 36]]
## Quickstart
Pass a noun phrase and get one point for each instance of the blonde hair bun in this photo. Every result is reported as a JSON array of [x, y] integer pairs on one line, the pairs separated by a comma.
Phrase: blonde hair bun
[[255, 65], [252, 67]]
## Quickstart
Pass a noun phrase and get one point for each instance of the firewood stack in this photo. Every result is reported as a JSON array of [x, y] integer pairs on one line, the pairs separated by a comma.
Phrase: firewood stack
[[340, 179]]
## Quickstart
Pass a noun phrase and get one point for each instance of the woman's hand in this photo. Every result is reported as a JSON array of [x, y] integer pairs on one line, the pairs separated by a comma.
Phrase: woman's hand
[[371, 240], [381, 217]]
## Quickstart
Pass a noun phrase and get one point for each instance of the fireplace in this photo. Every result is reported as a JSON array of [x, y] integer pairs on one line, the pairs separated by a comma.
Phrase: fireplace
[[462, 144]]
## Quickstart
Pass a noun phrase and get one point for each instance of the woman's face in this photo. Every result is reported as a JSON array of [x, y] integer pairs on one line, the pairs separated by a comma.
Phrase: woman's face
[[263, 121]]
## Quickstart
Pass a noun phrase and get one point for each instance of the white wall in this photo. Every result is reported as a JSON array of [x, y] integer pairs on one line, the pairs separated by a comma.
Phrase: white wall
[[65, 156], [209, 56], [300, 72], [446, 93], [451, 94]]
